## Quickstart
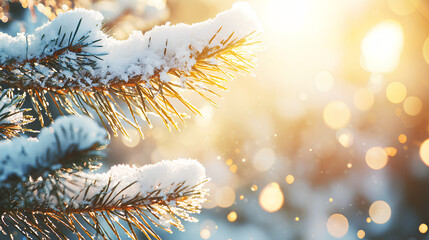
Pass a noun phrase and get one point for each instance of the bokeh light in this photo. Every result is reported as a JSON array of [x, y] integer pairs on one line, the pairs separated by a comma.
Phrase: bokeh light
[[208, 229], [424, 152], [423, 228], [402, 138], [333, 120], [382, 47], [396, 92], [336, 114], [205, 234], [324, 81], [426, 50], [345, 137], [376, 158], [271, 197], [361, 234], [290, 179], [363, 99], [233, 168], [390, 151], [133, 138], [337, 225], [413, 105], [232, 216], [264, 159], [225, 197], [380, 212], [403, 7]]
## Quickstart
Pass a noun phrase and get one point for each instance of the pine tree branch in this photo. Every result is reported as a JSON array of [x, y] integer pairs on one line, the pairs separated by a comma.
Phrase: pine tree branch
[[96, 73], [71, 143], [12, 117], [43, 186], [124, 198]]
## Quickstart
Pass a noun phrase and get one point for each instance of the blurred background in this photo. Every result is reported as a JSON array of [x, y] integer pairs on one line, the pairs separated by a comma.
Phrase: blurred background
[[329, 140]]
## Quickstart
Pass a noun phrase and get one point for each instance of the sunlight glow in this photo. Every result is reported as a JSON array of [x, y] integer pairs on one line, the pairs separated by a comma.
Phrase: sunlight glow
[[324, 81], [382, 47], [297, 15], [402, 7]]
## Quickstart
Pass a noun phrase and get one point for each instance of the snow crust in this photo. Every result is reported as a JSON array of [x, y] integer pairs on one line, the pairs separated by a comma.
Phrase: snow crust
[[19, 156], [156, 51]]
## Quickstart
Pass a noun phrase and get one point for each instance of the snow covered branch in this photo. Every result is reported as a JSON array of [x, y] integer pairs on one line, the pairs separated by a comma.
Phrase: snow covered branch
[[71, 60], [12, 117], [42, 184], [157, 195], [71, 142], [70, 63]]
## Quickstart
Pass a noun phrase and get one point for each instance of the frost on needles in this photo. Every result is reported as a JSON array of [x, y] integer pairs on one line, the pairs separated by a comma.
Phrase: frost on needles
[[74, 63]]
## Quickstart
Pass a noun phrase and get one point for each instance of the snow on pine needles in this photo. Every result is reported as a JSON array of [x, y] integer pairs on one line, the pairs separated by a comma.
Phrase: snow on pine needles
[[81, 67], [43, 178]]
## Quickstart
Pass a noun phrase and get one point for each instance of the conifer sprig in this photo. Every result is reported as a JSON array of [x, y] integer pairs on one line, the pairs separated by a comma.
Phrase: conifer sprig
[[106, 214], [42, 192], [72, 64], [77, 76], [66, 145], [12, 116]]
